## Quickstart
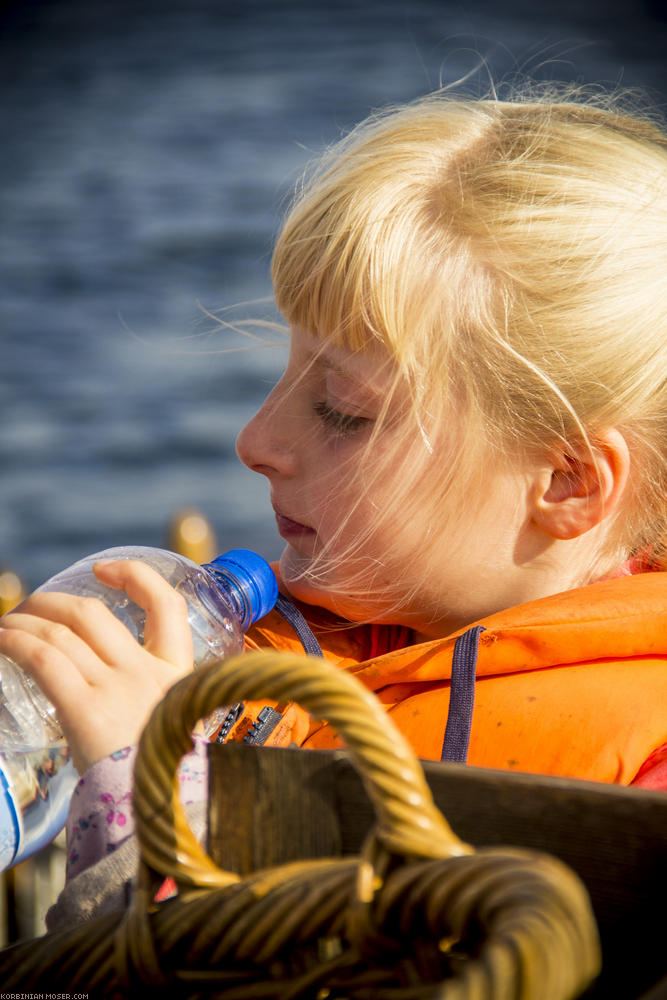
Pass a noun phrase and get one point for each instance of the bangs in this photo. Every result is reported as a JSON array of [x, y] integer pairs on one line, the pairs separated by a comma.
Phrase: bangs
[[381, 248], [360, 266], [332, 278]]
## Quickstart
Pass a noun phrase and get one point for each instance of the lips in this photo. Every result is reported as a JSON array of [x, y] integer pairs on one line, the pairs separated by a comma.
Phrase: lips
[[289, 529]]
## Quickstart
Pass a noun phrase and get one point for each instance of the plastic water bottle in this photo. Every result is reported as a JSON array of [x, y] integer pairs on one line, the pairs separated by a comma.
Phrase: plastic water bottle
[[37, 777]]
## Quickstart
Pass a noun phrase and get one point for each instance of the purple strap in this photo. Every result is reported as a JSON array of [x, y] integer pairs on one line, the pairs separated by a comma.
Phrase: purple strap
[[461, 696], [293, 617]]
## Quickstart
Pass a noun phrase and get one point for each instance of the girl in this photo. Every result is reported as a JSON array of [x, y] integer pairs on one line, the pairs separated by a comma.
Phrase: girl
[[466, 453]]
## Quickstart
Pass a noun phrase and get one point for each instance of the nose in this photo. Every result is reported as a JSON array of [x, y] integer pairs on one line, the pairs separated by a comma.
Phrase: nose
[[265, 444]]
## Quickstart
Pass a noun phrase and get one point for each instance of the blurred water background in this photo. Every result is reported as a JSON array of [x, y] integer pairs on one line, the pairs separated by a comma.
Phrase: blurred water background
[[147, 149]]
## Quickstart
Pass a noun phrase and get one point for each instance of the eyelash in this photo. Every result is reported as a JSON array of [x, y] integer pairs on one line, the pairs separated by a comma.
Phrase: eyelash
[[343, 424]]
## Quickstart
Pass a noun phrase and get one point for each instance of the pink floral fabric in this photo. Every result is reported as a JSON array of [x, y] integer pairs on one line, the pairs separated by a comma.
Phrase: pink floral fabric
[[100, 814]]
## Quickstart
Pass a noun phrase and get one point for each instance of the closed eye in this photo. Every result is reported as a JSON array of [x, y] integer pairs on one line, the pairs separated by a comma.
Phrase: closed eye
[[343, 424]]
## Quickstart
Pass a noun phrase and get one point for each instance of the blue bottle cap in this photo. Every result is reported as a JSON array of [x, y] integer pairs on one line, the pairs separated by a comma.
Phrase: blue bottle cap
[[254, 576]]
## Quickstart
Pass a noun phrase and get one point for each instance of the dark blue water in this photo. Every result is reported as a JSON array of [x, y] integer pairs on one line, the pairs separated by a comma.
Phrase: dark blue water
[[146, 150]]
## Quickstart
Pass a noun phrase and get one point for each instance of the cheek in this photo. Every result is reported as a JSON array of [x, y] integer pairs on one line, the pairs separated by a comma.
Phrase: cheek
[[335, 484]]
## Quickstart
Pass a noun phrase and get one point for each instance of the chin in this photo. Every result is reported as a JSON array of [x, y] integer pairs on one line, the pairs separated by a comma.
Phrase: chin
[[300, 586]]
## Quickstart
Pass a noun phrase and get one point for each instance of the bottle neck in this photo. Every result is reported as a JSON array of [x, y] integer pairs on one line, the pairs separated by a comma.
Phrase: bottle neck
[[235, 595]]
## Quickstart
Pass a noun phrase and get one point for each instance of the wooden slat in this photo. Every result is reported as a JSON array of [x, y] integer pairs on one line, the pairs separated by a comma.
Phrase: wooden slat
[[271, 806]]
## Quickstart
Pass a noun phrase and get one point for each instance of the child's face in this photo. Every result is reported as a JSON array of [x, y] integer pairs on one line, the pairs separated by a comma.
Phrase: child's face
[[310, 439]]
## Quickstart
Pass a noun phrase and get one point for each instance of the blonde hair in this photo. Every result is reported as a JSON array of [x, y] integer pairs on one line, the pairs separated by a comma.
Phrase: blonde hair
[[512, 258]]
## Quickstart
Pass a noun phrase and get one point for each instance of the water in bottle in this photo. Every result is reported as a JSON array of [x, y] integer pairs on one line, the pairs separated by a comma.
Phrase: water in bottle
[[37, 777]]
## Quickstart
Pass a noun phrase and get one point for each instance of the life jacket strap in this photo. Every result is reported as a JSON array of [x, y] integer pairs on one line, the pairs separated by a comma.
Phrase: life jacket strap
[[293, 617], [461, 696], [462, 691]]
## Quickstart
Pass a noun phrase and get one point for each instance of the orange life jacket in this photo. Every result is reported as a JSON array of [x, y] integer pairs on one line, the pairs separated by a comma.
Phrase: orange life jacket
[[574, 684]]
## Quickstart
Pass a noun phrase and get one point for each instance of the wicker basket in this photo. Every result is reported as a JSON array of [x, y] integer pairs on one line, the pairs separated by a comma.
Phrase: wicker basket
[[417, 914]]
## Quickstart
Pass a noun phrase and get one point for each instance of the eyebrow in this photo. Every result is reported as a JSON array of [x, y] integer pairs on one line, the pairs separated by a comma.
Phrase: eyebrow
[[332, 366], [362, 384], [319, 359]]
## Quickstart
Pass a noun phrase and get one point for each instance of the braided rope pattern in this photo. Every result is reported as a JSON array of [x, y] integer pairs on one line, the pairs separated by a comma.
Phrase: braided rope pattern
[[419, 915], [408, 821]]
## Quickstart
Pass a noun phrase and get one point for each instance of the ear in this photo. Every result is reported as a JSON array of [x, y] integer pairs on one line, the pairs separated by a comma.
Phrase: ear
[[582, 486]]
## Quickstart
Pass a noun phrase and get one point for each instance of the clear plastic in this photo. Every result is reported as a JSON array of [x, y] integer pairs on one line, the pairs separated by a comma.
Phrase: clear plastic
[[37, 777]]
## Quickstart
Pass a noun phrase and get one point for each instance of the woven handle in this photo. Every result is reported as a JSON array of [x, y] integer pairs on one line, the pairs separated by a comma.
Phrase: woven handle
[[408, 821]]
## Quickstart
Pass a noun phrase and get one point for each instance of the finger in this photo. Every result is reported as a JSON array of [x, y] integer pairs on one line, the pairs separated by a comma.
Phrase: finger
[[96, 720], [60, 637], [86, 618], [59, 679], [167, 633]]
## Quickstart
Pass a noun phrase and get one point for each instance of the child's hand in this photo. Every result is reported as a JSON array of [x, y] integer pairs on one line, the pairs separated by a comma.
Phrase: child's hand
[[102, 683]]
